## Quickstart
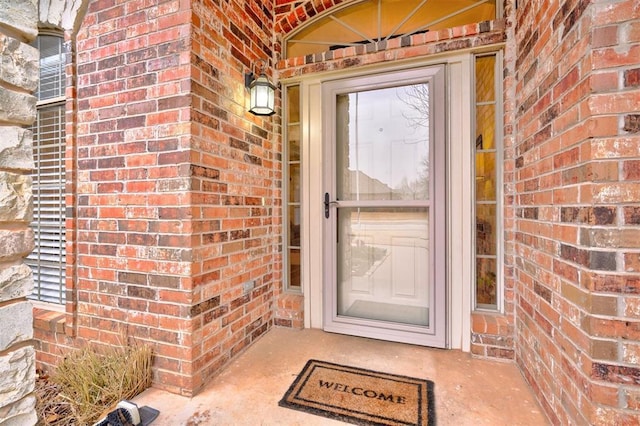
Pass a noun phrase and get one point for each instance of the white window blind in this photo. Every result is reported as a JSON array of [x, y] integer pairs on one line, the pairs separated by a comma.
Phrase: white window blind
[[52, 62], [48, 259]]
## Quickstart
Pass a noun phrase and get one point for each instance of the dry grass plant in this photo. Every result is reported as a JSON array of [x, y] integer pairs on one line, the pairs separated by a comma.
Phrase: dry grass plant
[[89, 382]]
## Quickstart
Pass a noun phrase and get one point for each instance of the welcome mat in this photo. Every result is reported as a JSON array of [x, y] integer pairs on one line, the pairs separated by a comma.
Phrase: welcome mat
[[362, 397]]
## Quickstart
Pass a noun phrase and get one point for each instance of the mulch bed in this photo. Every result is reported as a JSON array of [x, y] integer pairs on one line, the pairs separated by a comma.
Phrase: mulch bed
[[51, 407]]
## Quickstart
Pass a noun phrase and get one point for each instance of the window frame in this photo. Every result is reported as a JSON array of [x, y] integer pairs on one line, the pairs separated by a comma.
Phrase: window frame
[[286, 204], [56, 104], [499, 185]]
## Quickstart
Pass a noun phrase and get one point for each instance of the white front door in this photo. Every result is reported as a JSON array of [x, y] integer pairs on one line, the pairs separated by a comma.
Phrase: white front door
[[384, 206]]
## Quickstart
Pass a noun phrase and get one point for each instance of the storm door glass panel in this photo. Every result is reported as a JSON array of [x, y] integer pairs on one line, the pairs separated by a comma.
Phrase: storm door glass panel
[[383, 264], [382, 187], [383, 148]]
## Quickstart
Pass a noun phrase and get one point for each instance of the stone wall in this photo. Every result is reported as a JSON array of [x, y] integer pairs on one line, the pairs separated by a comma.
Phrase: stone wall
[[18, 80]]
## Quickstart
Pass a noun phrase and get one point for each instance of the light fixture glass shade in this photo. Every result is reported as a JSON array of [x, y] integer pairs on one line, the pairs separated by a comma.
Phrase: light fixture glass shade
[[262, 96]]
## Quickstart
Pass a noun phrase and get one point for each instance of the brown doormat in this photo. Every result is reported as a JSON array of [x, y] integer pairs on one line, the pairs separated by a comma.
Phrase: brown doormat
[[362, 397]]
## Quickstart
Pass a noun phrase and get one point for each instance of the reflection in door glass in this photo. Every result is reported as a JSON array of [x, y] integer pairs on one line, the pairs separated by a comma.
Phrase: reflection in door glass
[[384, 264], [383, 151]]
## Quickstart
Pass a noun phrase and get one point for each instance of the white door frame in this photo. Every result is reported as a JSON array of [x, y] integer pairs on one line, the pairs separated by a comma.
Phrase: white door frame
[[459, 175], [434, 332]]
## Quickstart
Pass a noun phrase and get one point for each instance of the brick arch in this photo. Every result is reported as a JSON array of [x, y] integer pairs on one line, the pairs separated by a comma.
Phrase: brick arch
[[299, 15]]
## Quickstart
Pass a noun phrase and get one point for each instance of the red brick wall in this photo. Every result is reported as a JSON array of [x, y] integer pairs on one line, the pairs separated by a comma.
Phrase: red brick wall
[[576, 235], [133, 238], [50, 338], [492, 335], [174, 226], [235, 186]]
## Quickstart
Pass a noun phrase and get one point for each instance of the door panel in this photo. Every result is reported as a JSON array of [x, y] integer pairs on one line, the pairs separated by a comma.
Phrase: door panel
[[384, 206], [407, 262], [379, 257]]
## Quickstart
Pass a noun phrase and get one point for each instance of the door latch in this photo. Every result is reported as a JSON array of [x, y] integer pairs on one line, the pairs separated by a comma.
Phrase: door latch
[[328, 204]]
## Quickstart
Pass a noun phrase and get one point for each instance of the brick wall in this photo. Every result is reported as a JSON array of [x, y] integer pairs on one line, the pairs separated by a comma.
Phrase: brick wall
[[132, 208], [235, 185], [576, 235], [175, 214]]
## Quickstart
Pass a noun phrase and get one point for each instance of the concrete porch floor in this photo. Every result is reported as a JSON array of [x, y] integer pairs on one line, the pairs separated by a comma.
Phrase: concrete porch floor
[[468, 391]]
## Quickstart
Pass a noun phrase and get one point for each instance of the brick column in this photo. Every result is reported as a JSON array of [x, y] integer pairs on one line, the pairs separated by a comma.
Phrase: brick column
[[577, 192], [18, 79]]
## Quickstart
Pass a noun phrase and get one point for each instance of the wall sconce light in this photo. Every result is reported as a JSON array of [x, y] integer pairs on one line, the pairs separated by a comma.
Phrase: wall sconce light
[[262, 94]]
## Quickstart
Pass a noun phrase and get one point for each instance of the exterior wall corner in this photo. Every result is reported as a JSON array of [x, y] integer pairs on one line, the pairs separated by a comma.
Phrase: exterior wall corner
[[18, 75]]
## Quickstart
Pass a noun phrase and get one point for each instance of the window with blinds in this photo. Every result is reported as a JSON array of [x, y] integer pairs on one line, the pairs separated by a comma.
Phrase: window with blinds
[[48, 259]]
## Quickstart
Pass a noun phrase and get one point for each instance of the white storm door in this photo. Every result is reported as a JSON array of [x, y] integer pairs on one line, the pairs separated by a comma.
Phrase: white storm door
[[384, 206]]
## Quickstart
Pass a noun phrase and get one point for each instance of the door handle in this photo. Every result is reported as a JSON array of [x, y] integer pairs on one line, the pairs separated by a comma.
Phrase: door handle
[[328, 204]]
